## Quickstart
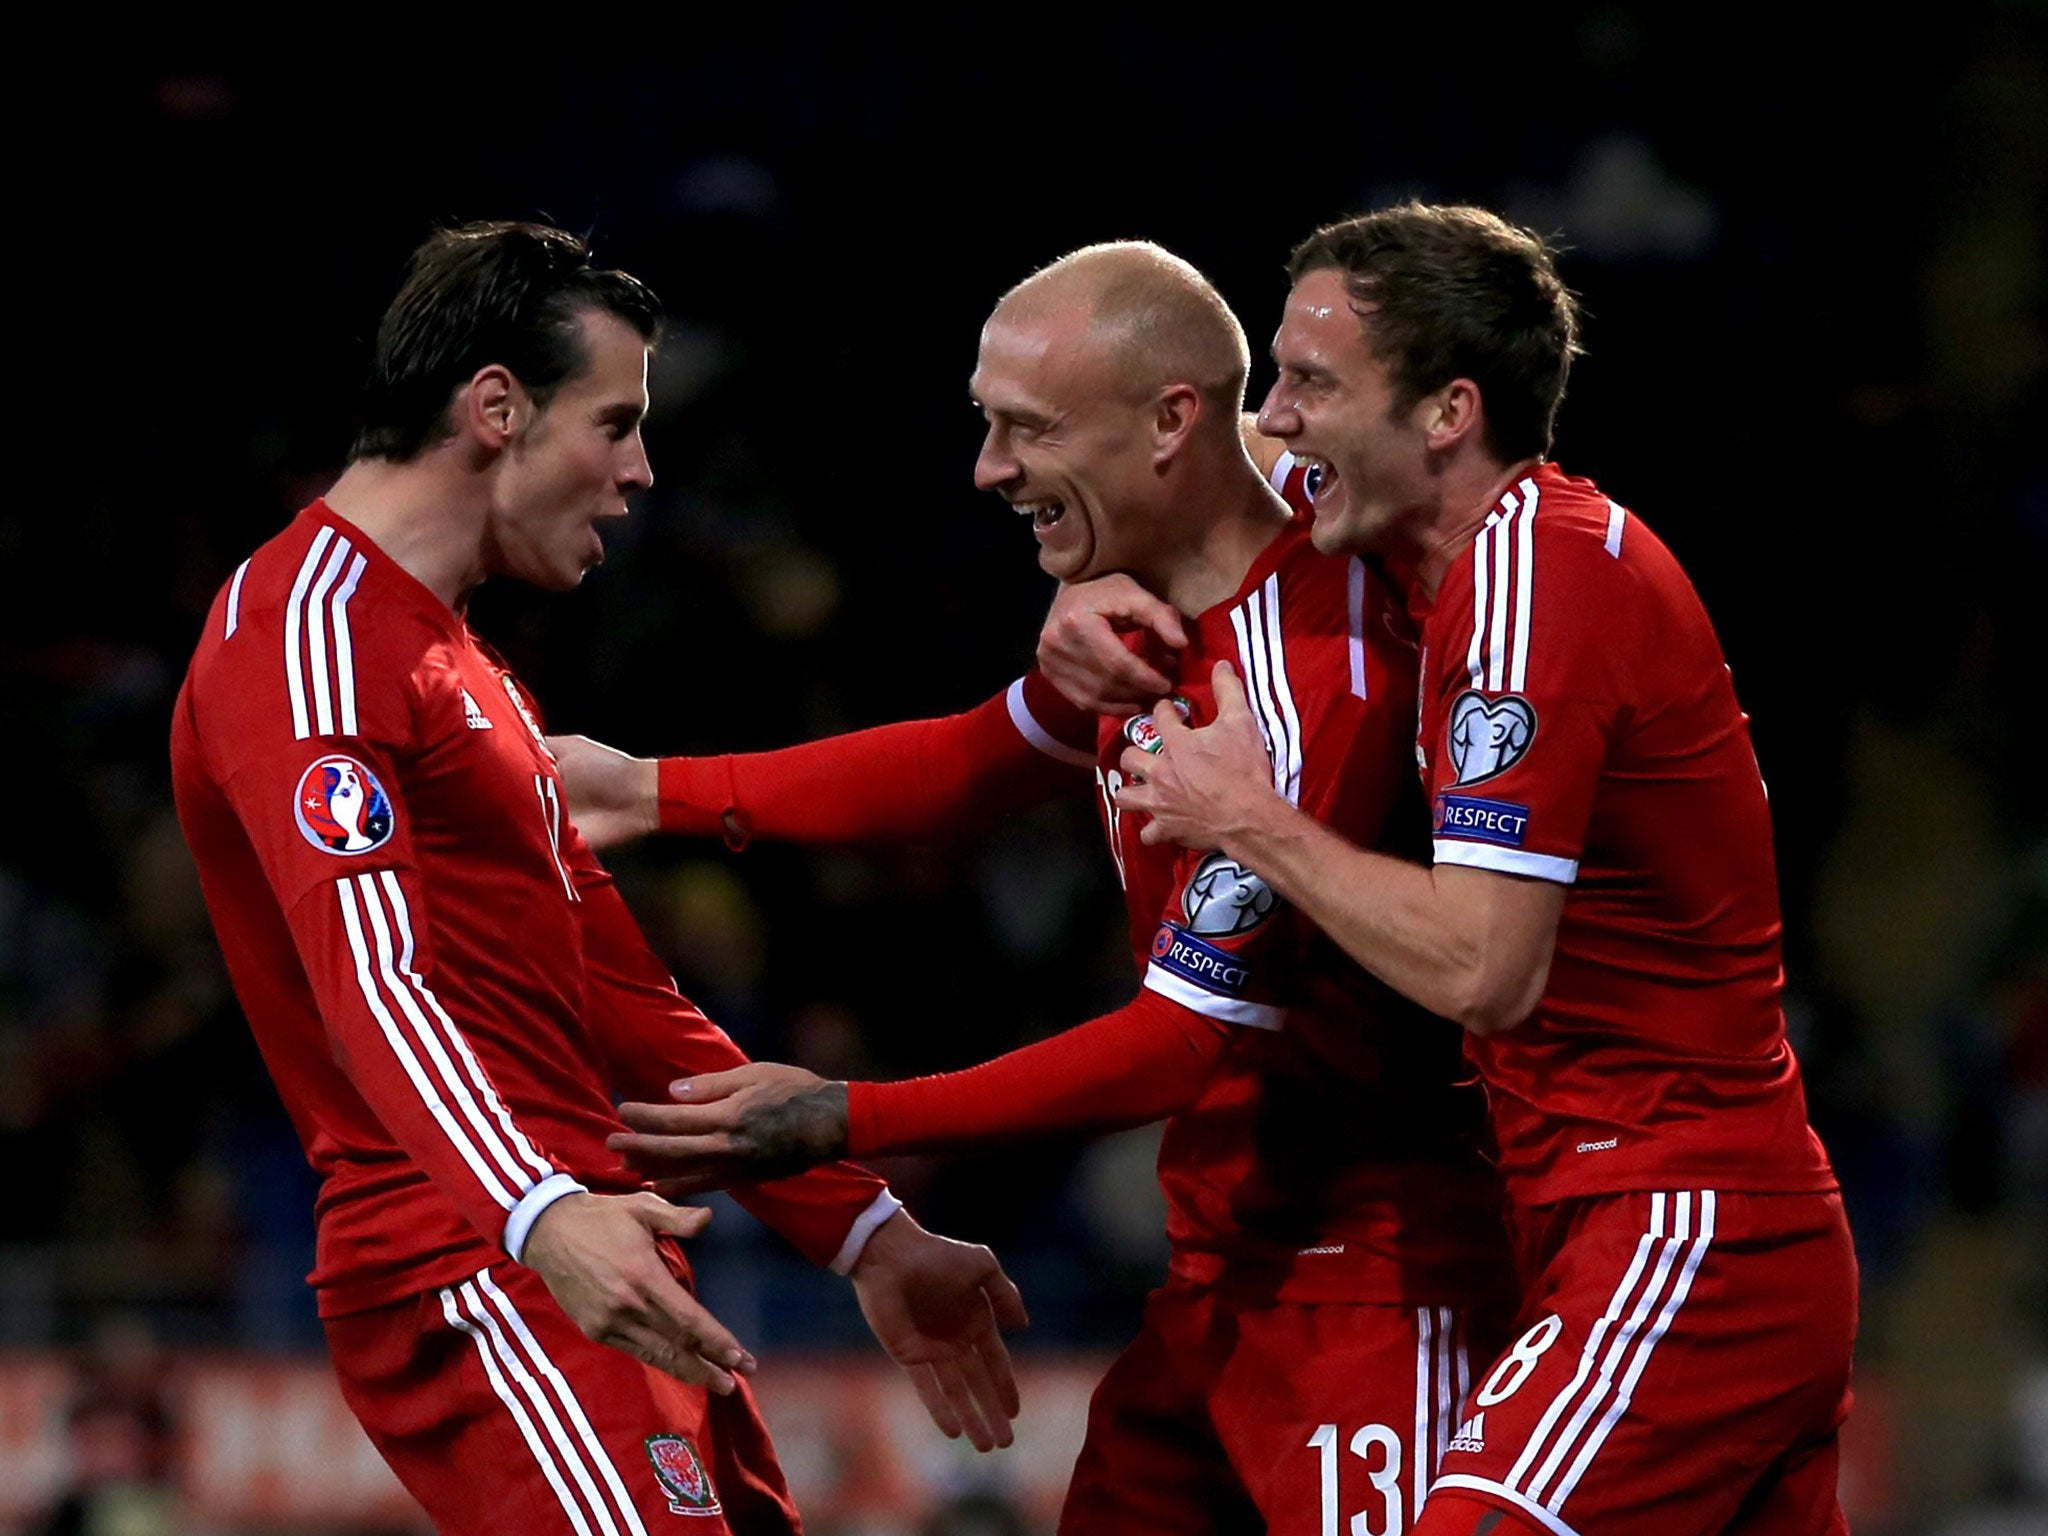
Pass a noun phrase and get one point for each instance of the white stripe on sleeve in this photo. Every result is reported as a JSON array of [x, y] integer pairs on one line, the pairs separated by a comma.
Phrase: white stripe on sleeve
[[1506, 861], [1213, 1005], [294, 635], [235, 599], [1039, 737], [344, 646], [316, 637], [1355, 609]]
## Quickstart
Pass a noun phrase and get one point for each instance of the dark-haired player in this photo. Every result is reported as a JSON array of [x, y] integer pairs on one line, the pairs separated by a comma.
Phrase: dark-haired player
[[1334, 1235], [445, 985], [1601, 916]]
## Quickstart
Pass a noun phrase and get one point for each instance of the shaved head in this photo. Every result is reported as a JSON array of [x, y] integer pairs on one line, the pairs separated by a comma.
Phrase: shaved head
[[1158, 320]]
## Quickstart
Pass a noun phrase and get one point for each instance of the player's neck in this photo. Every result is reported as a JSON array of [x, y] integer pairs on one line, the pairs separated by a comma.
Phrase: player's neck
[[1237, 518], [429, 522], [1461, 512]]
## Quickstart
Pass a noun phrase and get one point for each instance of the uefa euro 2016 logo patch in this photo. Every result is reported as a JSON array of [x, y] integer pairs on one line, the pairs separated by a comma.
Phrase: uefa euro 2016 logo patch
[[341, 808], [681, 1475], [1489, 736], [1224, 898]]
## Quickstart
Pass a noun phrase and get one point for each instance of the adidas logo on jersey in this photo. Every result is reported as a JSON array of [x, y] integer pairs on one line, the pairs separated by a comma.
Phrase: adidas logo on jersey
[[1471, 1435], [472, 716]]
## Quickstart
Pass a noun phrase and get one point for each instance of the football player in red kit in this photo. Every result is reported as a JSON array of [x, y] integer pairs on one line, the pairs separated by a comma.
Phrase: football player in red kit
[[446, 986], [1601, 914], [1334, 1233]]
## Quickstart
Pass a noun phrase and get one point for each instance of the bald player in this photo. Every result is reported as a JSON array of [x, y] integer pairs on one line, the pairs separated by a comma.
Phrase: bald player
[[1332, 1230]]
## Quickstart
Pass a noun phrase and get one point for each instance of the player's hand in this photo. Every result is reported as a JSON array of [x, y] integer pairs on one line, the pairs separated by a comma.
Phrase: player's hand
[[759, 1121], [613, 798], [597, 1254], [936, 1306], [1204, 785], [1082, 654]]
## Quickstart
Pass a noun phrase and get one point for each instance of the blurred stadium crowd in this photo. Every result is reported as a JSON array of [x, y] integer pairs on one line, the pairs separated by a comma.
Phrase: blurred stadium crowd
[[1816, 365]]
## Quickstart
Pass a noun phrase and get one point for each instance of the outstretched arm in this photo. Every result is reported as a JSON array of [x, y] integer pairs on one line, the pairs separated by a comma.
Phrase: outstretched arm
[[918, 780], [1140, 1063]]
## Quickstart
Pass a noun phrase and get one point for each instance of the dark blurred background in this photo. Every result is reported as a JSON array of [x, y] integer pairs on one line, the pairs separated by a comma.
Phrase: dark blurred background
[[1813, 271]]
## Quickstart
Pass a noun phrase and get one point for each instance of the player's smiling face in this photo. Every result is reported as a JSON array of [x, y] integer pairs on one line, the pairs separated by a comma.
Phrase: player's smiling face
[[1334, 405], [1065, 444], [569, 468]]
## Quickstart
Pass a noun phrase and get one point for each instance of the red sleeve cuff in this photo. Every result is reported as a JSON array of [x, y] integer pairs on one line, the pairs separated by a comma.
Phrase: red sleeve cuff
[[698, 798]]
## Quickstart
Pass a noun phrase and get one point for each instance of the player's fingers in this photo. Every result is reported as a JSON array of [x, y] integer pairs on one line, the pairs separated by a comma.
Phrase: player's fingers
[[952, 1380], [672, 1157], [995, 1406], [679, 1119], [926, 1380], [994, 1355], [1133, 765], [1230, 699], [658, 1215], [708, 1087], [657, 1349], [685, 1321], [1005, 1301]]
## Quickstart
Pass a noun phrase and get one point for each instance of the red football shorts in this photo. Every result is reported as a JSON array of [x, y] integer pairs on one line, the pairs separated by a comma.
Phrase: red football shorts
[[1230, 1416], [500, 1417], [1684, 1367]]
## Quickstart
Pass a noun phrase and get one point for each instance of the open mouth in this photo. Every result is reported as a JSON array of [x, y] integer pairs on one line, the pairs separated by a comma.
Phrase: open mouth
[[1043, 514], [1317, 475]]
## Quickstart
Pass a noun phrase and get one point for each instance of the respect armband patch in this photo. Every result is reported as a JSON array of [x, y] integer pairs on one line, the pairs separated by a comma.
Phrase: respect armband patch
[[341, 808], [1209, 967], [1485, 821]]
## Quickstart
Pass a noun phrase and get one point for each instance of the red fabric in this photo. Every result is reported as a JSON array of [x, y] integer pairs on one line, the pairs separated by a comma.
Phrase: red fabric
[[1579, 725], [1141, 1063], [1683, 1366], [1225, 1415], [914, 781], [410, 937], [480, 1402]]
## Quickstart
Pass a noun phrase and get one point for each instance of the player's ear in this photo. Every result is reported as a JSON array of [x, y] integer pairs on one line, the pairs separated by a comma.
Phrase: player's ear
[[1453, 414], [492, 407], [1174, 415]]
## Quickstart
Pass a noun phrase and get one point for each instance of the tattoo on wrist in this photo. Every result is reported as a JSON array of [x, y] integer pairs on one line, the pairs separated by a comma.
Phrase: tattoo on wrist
[[798, 1132]]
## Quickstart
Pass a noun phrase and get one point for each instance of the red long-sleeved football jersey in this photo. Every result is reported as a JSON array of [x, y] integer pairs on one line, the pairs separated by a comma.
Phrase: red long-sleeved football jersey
[[1579, 725], [444, 983]]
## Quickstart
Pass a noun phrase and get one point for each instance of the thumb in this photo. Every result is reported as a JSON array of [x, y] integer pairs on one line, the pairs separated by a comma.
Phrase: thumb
[[1230, 698], [657, 1215], [1164, 620]]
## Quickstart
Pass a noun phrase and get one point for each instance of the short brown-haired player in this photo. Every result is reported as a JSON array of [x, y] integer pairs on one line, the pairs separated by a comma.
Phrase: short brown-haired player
[[447, 988], [1601, 914]]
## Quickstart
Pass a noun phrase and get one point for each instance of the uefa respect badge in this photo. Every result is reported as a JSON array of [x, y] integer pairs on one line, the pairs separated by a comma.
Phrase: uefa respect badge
[[341, 808]]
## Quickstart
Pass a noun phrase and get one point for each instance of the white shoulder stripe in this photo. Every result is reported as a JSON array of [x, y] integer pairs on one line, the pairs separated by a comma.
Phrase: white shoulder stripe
[[1256, 623], [316, 637], [1029, 728], [344, 646], [1355, 611], [235, 599], [1616, 518], [1212, 1005], [294, 614], [1503, 588]]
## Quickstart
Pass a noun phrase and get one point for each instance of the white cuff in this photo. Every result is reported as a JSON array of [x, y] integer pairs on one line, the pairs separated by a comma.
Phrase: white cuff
[[885, 1205], [1212, 1005], [531, 1204], [1029, 728], [1506, 861]]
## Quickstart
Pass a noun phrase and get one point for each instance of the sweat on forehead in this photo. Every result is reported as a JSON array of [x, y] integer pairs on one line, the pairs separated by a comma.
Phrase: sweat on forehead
[[1162, 321]]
